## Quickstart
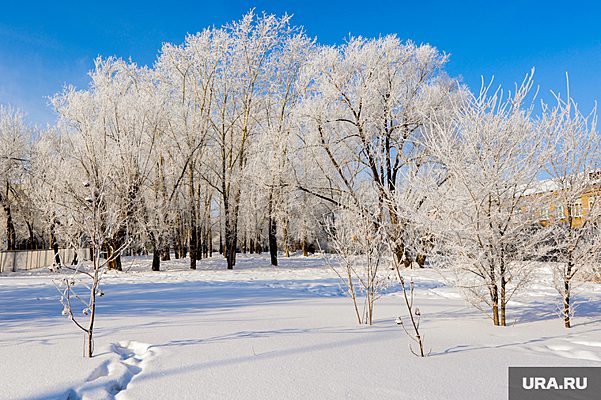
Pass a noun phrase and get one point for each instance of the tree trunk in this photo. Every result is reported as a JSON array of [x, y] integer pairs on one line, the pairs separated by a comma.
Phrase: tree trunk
[[495, 305], [286, 246], [193, 245], [230, 243], [180, 238], [114, 244], [198, 243], [57, 257], [11, 237], [54, 246], [272, 232], [205, 245], [31, 240], [273, 242], [398, 251], [503, 274], [90, 330], [566, 296], [156, 259], [201, 243], [304, 247], [420, 259], [566, 305], [210, 241], [503, 301], [89, 351], [166, 252], [115, 261]]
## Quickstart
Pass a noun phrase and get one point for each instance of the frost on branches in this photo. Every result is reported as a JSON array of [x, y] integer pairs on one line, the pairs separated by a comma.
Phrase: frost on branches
[[487, 228], [572, 207], [252, 136]]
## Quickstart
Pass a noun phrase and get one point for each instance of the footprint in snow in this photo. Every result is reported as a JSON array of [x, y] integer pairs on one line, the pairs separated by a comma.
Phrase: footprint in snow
[[110, 379]]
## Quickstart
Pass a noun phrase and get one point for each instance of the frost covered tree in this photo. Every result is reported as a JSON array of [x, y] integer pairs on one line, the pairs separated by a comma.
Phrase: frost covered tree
[[364, 110], [44, 184], [188, 76], [270, 162], [485, 225], [252, 46], [92, 223], [15, 137], [573, 207], [183, 134], [360, 259], [113, 127], [85, 213], [104, 147], [363, 115]]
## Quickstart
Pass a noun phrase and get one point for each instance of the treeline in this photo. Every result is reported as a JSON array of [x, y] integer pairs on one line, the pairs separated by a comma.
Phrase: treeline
[[253, 136]]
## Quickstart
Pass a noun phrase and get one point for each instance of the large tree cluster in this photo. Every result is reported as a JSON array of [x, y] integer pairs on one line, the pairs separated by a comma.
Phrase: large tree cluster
[[253, 137]]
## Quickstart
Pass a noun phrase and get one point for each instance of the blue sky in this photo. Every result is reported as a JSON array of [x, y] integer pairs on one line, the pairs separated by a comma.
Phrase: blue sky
[[46, 44]]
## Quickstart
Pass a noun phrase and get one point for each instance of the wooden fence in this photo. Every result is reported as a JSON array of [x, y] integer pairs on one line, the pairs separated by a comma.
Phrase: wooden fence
[[31, 259]]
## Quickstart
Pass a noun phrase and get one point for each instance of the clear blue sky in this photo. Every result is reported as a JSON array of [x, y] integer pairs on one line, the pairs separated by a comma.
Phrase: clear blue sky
[[45, 44]]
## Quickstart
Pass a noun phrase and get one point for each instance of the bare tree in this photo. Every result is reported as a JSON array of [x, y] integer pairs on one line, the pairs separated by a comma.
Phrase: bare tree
[[107, 136], [413, 312], [572, 210], [80, 289], [359, 259], [87, 215], [494, 156]]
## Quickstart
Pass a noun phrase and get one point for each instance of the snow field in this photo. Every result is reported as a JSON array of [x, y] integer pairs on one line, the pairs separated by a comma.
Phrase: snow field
[[260, 332]]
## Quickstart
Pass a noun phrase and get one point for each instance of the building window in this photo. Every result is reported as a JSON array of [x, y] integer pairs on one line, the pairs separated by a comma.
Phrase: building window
[[544, 214], [594, 175], [560, 212], [593, 203], [576, 210]]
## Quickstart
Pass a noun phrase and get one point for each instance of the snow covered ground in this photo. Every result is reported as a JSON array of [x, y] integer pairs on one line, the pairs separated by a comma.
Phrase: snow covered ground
[[260, 332]]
